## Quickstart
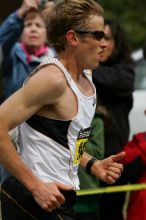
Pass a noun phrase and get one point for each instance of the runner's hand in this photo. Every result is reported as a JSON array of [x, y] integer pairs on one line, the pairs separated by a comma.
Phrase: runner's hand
[[109, 169], [48, 195]]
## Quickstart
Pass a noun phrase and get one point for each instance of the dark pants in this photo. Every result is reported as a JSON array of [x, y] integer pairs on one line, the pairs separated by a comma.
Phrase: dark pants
[[111, 204], [87, 216], [18, 203]]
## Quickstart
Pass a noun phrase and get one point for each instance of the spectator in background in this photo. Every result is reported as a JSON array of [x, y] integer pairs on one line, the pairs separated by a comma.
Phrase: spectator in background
[[135, 161], [114, 82], [27, 26], [135, 171]]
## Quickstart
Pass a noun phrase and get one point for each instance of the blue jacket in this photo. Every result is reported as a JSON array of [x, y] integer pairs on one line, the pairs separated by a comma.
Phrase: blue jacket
[[15, 67]]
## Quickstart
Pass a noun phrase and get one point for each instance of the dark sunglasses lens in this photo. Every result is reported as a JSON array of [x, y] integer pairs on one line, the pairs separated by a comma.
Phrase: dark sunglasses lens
[[99, 35]]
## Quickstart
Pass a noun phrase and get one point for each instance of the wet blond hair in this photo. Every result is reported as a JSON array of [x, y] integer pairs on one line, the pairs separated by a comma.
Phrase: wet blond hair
[[69, 15]]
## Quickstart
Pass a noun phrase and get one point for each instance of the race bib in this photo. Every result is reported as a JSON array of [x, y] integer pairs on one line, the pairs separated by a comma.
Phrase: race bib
[[81, 144]]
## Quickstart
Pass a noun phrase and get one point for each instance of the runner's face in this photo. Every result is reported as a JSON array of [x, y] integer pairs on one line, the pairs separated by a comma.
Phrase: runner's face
[[89, 48]]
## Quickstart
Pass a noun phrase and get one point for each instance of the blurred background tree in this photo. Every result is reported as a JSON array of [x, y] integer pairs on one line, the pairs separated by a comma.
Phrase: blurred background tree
[[131, 15]]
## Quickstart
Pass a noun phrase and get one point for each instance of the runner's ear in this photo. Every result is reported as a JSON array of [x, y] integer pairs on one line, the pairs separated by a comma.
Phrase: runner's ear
[[72, 38]]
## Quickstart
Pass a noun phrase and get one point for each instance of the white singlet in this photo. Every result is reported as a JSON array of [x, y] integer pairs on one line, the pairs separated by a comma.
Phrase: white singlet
[[53, 148]]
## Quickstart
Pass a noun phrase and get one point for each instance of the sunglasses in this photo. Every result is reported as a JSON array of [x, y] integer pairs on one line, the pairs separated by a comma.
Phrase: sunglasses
[[97, 34]]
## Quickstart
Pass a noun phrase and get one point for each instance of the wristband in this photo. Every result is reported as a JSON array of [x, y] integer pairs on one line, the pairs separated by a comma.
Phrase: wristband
[[90, 164]]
